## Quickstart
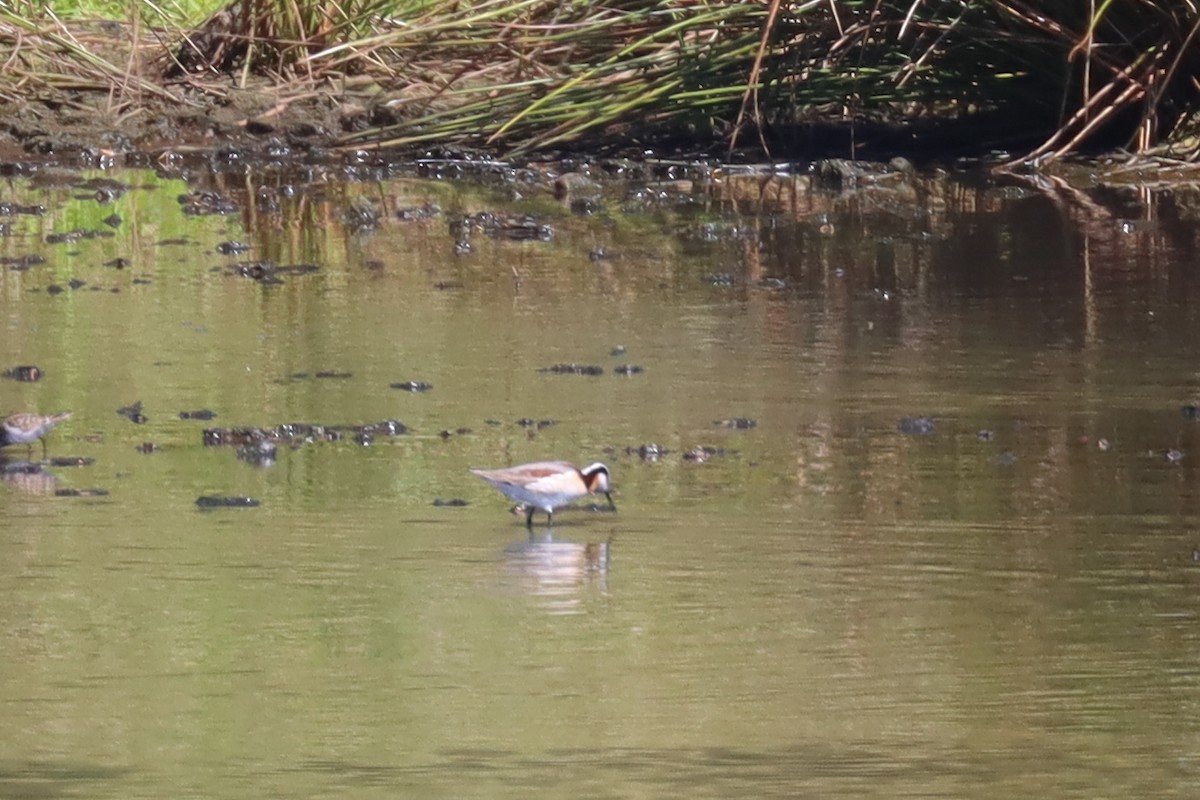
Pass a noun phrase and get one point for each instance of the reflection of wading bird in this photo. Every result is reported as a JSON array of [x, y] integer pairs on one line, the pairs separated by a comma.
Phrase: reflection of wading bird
[[27, 428], [548, 485], [556, 571]]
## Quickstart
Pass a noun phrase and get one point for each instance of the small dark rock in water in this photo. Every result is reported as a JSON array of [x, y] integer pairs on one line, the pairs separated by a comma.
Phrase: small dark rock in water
[[627, 369], [618, 351], [495, 423], [573, 369], [75, 283], [71, 461], [112, 220], [442, 286], [25, 374], [54, 288], [147, 448], [719, 279], [546, 423], [984, 435], [1174, 456], [463, 247], [737, 423], [411, 386], [117, 263], [526, 422], [214, 501], [1005, 459], [231, 248], [133, 413], [445, 434], [600, 254], [917, 426], [1190, 412], [455, 502], [81, 493], [201, 413]]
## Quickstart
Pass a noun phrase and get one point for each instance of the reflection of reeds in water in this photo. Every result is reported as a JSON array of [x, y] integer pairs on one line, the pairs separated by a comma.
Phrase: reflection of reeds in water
[[27, 477], [558, 571]]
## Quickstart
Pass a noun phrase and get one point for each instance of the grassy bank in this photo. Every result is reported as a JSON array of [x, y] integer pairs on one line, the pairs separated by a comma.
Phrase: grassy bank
[[1038, 77]]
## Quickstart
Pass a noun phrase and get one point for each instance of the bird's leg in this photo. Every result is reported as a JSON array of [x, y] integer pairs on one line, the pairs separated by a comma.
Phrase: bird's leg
[[549, 519], [43, 441], [529, 518]]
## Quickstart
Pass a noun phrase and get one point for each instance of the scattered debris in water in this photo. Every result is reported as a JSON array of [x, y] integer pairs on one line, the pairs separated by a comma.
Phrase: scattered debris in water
[[267, 272], [573, 369], [133, 413], [454, 502], [26, 374], [983, 435], [617, 351], [146, 448], [117, 263], [627, 369], [720, 279], [327, 374], [736, 423], [216, 501], [411, 386], [81, 492], [1190, 412], [299, 433], [917, 426], [232, 248], [23, 263], [361, 215], [205, 203], [1103, 445], [1174, 456], [419, 213], [77, 235], [649, 452], [260, 454], [200, 413], [519, 228], [702, 453]]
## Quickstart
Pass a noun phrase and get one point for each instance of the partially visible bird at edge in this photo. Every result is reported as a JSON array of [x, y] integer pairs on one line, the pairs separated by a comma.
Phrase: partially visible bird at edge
[[27, 428]]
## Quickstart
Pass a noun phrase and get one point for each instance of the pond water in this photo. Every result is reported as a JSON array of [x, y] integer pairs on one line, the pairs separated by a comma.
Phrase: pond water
[[923, 520]]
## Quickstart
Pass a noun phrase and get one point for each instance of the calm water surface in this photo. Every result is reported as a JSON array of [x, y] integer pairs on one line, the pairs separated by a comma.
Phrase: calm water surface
[[826, 606]]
